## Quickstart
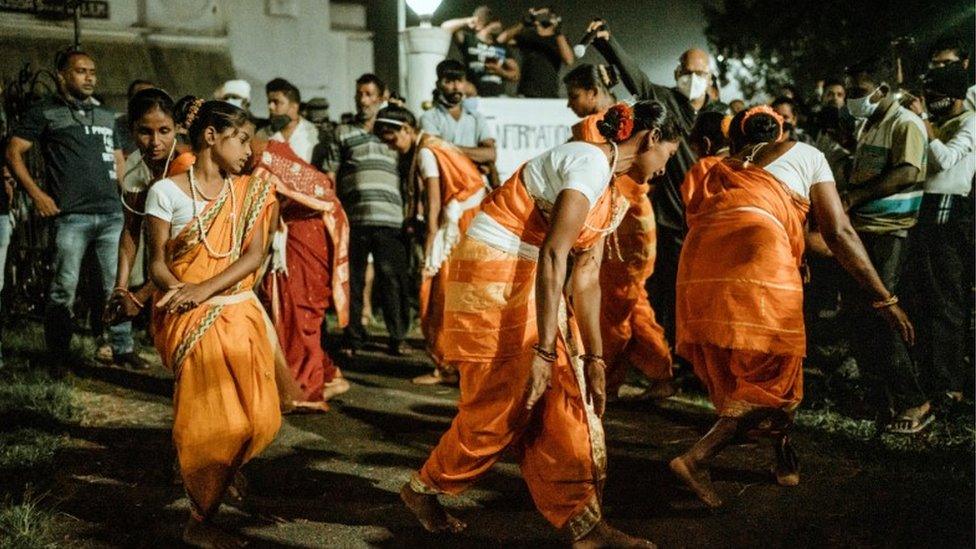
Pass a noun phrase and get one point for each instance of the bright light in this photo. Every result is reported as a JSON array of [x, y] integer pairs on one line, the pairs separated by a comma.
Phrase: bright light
[[424, 8]]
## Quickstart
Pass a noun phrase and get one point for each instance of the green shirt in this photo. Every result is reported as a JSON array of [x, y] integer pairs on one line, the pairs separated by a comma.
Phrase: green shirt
[[897, 138]]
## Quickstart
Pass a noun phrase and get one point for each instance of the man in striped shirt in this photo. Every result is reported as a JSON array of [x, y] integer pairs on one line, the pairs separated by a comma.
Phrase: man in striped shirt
[[368, 186], [882, 197]]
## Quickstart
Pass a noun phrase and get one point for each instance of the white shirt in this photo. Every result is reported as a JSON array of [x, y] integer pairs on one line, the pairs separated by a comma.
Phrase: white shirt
[[303, 140], [952, 164], [428, 164], [800, 168], [576, 165], [168, 202]]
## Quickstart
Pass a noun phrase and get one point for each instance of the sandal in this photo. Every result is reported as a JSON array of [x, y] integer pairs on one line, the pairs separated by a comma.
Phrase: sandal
[[907, 425]]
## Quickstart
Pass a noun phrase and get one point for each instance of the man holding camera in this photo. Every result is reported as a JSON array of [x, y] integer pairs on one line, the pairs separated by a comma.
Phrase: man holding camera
[[544, 49]]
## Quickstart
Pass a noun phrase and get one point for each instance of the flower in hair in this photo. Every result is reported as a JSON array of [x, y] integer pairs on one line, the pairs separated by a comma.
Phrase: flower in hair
[[192, 113], [761, 109], [621, 117]]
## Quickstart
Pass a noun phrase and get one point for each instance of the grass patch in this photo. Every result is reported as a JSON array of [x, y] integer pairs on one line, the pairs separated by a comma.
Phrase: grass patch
[[34, 395], [27, 524], [28, 449]]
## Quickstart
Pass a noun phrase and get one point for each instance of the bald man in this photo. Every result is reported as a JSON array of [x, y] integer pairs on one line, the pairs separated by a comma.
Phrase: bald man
[[689, 95]]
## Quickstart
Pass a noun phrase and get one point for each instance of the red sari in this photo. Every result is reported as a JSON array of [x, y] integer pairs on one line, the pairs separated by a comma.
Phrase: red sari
[[315, 276]]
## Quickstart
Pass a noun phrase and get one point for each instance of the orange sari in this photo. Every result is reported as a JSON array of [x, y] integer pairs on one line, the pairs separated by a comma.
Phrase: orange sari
[[488, 331], [222, 353], [740, 293], [462, 190], [631, 334]]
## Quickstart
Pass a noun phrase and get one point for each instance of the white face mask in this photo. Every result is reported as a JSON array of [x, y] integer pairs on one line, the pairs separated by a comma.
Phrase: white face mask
[[862, 107], [693, 86]]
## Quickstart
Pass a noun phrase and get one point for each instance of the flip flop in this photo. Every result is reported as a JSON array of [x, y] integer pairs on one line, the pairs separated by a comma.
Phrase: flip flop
[[904, 425]]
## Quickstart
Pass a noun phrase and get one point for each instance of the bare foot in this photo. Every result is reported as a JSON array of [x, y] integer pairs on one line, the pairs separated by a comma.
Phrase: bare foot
[[237, 491], [431, 514], [696, 479], [604, 535], [787, 468], [308, 407], [659, 390], [208, 536]]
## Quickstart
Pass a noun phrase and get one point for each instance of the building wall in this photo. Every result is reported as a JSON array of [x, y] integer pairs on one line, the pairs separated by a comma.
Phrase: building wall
[[256, 40]]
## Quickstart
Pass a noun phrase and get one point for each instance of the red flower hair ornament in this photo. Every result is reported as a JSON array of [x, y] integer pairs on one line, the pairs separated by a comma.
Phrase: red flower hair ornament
[[620, 120]]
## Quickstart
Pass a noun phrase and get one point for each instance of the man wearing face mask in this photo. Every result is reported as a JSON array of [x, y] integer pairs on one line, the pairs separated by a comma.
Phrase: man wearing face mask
[[882, 196], [452, 121], [942, 242], [786, 107], [693, 76]]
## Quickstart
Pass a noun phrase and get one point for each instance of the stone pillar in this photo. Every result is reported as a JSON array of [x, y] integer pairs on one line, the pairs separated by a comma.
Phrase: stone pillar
[[426, 47]]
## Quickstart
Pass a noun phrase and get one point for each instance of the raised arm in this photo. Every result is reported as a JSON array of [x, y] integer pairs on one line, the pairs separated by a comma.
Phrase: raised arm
[[565, 52], [633, 78], [846, 247], [452, 26], [508, 35]]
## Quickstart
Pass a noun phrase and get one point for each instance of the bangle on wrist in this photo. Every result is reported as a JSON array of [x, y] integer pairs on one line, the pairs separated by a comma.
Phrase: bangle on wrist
[[587, 358], [548, 356], [885, 303]]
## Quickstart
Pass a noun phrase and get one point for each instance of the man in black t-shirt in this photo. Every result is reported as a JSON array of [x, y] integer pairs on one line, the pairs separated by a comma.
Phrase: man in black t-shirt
[[82, 158], [488, 63], [544, 49]]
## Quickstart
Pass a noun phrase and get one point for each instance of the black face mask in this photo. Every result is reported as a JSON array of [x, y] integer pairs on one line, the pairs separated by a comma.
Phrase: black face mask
[[278, 122]]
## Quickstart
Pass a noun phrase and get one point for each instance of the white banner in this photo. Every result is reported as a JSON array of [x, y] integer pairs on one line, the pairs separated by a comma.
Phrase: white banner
[[525, 128]]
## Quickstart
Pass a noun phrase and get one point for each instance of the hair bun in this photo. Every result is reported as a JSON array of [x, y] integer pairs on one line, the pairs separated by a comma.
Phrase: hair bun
[[618, 123]]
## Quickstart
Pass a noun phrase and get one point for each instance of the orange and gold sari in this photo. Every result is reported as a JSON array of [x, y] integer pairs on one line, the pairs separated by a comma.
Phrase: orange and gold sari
[[223, 352], [631, 335], [740, 293], [462, 190], [488, 331]]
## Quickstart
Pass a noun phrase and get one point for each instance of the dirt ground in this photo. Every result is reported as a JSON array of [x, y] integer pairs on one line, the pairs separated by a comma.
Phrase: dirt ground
[[331, 480]]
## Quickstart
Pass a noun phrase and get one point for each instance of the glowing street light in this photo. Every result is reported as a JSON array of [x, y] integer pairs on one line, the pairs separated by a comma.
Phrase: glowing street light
[[424, 9]]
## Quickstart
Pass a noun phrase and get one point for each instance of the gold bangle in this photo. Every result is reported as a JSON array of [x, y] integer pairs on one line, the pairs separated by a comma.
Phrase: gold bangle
[[548, 356], [885, 303], [587, 358]]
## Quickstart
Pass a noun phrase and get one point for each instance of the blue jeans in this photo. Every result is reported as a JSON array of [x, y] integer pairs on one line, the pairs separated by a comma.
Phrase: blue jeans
[[5, 229], [74, 233]]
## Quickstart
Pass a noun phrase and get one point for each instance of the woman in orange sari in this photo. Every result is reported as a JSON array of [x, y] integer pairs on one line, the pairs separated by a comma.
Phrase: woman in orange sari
[[154, 131], [208, 233], [446, 190], [530, 356], [631, 335], [740, 294]]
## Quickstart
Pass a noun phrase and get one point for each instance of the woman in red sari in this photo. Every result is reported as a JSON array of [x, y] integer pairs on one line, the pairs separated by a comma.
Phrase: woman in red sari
[[740, 294], [208, 234]]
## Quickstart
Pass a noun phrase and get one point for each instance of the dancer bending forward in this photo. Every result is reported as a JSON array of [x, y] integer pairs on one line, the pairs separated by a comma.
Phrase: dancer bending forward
[[532, 375]]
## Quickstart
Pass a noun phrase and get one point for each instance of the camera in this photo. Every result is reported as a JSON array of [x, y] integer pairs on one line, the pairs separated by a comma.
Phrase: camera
[[543, 16]]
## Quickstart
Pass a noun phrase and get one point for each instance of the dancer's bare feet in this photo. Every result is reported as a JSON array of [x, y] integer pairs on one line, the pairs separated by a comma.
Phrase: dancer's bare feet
[[787, 468], [697, 479], [431, 514], [604, 535], [207, 536]]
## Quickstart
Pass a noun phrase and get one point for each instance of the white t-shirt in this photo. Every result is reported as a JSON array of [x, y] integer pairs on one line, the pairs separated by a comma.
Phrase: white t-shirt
[[428, 164], [576, 165], [168, 202], [800, 168]]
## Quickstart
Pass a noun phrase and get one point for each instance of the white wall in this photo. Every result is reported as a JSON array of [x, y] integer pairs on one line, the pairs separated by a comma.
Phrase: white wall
[[303, 49]]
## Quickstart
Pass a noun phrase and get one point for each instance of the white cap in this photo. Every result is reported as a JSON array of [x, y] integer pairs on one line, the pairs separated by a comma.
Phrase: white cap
[[239, 88]]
